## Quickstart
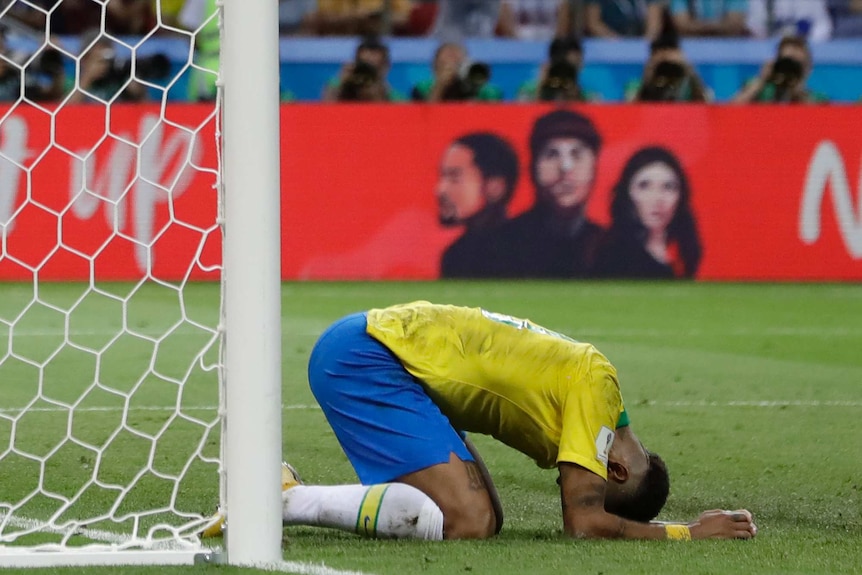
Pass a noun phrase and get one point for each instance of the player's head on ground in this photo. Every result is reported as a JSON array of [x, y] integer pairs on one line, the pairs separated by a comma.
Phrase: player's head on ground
[[638, 481]]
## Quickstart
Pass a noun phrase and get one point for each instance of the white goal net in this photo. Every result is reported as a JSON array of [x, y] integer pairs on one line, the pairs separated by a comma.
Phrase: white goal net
[[110, 299]]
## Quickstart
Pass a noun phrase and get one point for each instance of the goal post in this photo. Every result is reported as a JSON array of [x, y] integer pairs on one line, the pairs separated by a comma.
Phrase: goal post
[[140, 300], [252, 281]]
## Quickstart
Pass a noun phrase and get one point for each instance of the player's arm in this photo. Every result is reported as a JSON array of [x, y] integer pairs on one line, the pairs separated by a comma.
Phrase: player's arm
[[584, 517]]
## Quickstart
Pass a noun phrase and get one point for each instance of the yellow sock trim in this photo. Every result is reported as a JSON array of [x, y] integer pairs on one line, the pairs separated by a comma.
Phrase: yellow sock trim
[[369, 510], [678, 532]]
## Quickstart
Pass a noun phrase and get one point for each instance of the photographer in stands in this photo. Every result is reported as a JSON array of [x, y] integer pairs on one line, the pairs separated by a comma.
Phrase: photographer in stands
[[784, 78], [668, 75], [10, 75], [558, 77], [363, 83], [456, 79], [364, 79], [44, 77], [104, 76]]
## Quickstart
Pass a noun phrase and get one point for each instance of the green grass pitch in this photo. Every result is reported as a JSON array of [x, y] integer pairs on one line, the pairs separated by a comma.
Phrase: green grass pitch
[[751, 392]]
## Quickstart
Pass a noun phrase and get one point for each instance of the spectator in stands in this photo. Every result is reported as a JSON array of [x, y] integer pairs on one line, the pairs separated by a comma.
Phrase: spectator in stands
[[668, 76], [615, 18], [363, 84], [73, 17], [710, 17], [806, 18], [44, 77], [421, 19], [169, 12], [555, 238], [847, 18], [31, 15], [198, 17], [456, 79], [10, 74], [460, 19], [366, 74], [130, 17], [558, 76], [783, 79], [296, 17], [534, 19], [102, 77], [358, 17], [478, 175], [653, 233], [122, 17]]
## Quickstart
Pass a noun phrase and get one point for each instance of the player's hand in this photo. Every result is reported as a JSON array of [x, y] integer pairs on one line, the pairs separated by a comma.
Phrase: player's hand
[[722, 524]]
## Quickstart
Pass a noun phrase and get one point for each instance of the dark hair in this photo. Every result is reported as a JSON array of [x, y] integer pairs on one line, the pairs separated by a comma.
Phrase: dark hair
[[495, 157], [651, 494], [668, 36], [373, 44], [561, 124], [682, 228], [798, 42], [562, 45], [793, 40]]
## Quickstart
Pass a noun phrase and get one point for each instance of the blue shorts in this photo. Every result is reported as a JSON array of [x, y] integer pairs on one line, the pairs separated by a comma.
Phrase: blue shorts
[[386, 423]]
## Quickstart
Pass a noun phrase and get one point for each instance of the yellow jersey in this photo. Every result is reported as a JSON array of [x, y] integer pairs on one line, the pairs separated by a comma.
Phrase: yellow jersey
[[548, 396]]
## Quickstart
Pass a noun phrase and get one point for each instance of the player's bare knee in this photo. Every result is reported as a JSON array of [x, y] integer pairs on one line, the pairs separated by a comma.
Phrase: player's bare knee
[[475, 523]]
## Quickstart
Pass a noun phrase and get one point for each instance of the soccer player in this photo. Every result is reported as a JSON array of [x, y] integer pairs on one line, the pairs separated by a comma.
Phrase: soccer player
[[400, 385]]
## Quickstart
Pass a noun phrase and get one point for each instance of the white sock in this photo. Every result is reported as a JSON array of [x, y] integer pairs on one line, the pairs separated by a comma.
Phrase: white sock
[[388, 510]]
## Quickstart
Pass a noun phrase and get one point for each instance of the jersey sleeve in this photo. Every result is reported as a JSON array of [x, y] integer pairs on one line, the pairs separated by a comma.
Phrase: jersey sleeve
[[591, 412]]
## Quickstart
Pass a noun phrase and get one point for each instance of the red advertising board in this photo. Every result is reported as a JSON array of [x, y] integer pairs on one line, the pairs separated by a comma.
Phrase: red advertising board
[[113, 195], [776, 192]]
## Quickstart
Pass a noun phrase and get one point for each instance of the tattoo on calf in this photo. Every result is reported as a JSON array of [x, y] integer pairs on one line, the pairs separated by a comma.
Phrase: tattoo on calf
[[474, 475]]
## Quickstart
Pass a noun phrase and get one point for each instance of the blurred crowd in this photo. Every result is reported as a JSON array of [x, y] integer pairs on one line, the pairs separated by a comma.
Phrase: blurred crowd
[[105, 73], [816, 20], [457, 19]]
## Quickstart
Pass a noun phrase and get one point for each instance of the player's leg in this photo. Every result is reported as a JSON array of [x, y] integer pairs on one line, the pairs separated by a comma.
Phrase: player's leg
[[390, 430], [460, 492], [417, 506], [386, 510], [489, 484]]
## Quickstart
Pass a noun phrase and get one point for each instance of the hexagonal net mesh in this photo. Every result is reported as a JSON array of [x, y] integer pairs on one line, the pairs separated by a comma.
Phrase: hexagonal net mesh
[[110, 262]]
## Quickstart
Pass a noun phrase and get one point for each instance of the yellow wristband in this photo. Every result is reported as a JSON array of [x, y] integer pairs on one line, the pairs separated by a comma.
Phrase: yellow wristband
[[678, 532]]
